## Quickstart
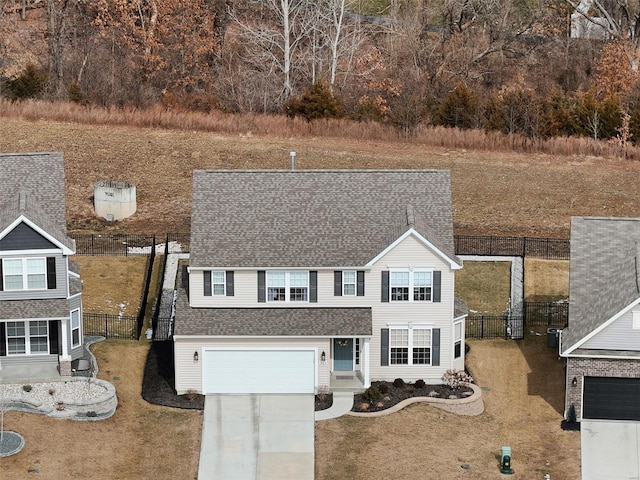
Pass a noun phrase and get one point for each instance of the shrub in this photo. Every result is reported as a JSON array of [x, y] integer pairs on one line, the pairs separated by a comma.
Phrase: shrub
[[91, 414], [383, 387], [29, 84], [317, 102], [398, 383], [409, 390], [191, 395], [419, 384], [52, 391], [27, 388], [372, 394], [456, 378], [571, 415], [323, 392], [59, 406]]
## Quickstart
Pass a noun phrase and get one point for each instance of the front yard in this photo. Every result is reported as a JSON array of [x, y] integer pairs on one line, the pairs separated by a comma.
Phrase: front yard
[[522, 384]]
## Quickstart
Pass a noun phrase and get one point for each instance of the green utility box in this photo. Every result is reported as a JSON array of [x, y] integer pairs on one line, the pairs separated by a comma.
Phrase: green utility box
[[505, 461]]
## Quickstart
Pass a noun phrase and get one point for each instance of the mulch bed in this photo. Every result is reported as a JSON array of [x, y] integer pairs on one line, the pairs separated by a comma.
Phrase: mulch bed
[[391, 395], [159, 377]]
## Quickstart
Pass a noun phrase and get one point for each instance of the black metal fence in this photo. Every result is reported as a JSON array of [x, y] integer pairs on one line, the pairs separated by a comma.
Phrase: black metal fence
[[110, 326], [547, 248], [536, 314], [114, 244]]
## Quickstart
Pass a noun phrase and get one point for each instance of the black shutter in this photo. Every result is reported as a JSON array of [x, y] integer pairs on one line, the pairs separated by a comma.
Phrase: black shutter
[[207, 283], [313, 286], [435, 347], [54, 347], [385, 286], [262, 291], [3, 339], [51, 273], [360, 283], [437, 285], [337, 283], [230, 283], [384, 347], [1, 278]]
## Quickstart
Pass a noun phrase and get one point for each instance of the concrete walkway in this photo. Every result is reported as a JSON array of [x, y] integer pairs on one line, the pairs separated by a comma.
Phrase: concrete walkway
[[342, 403], [257, 437]]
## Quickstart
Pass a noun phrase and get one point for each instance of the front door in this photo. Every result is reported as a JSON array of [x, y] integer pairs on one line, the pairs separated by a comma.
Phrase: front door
[[343, 354]]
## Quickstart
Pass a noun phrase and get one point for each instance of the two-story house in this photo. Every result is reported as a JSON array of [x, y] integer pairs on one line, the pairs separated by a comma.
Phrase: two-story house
[[40, 288], [602, 341], [298, 280]]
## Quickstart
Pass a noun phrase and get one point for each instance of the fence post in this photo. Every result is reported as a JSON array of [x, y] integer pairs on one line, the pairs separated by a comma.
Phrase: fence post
[[481, 326]]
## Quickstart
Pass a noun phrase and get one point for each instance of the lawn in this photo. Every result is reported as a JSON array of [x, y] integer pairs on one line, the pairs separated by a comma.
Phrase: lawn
[[523, 391], [112, 285], [140, 441], [546, 280], [485, 287]]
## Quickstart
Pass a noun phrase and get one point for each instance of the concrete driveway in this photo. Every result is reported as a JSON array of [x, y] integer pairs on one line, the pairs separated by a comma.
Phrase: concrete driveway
[[610, 450], [257, 437]]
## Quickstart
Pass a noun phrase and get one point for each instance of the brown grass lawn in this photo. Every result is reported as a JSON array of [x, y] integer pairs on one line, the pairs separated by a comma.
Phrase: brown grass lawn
[[484, 286], [112, 284], [546, 280], [141, 441], [523, 395], [493, 192]]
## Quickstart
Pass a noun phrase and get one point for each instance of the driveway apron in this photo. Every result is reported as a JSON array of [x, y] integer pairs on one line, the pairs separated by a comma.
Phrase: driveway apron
[[610, 450], [257, 437]]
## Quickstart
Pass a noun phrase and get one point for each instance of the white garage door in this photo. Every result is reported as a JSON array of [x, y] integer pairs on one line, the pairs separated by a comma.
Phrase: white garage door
[[258, 371]]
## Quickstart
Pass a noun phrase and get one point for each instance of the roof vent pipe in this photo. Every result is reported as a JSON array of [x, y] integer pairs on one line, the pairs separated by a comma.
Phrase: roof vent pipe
[[293, 160]]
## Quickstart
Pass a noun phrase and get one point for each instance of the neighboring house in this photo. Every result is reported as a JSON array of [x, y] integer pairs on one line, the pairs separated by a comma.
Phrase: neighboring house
[[299, 281], [40, 288], [602, 341]]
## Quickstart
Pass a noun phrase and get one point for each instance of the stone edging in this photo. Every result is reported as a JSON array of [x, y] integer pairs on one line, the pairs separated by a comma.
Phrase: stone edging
[[101, 407], [472, 405]]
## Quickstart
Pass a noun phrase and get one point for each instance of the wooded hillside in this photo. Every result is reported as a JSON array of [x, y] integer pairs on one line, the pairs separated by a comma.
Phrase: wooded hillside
[[504, 65]]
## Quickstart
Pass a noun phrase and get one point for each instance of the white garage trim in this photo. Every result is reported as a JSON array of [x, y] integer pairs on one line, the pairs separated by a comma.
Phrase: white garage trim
[[259, 370]]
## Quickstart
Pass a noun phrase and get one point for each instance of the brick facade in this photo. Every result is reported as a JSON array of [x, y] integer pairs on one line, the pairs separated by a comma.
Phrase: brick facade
[[594, 367]]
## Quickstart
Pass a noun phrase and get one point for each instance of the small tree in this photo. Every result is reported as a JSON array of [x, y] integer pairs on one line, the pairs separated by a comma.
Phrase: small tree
[[317, 102]]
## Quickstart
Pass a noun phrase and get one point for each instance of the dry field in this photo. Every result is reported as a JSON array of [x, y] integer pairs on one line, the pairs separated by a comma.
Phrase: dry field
[[523, 392], [141, 441], [112, 285], [493, 192]]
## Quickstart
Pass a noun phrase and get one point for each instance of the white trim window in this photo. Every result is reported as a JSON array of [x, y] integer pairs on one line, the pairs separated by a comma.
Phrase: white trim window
[[410, 285], [288, 286], [349, 283], [410, 346], [24, 273], [75, 328], [218, 282], [28, 338], [457, 340]]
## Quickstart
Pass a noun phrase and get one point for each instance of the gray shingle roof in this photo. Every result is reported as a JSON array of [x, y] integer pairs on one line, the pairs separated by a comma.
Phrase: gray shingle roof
[[603, 278], [34, 309], [303, 218], [268, 321], [39, 178]]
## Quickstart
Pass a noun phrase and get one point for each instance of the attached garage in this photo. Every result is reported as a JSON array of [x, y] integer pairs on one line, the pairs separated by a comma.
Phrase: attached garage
[[258, 371], [611, 398]]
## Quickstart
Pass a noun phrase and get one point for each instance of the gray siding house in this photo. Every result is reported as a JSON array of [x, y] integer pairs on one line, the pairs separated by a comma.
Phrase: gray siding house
[[40, 287], [301, 281], [602, 341]]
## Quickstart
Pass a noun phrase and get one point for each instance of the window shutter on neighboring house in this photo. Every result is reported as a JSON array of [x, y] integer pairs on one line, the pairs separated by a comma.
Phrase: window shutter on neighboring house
[[360, 284], [262, 291], [435, 354], [51, 273], [337, 283], [3, 339], [437, 285], [207, 283], [1, 278], [229, 286], [313, 286], [385, 286], [384, 347], [54, 347]]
